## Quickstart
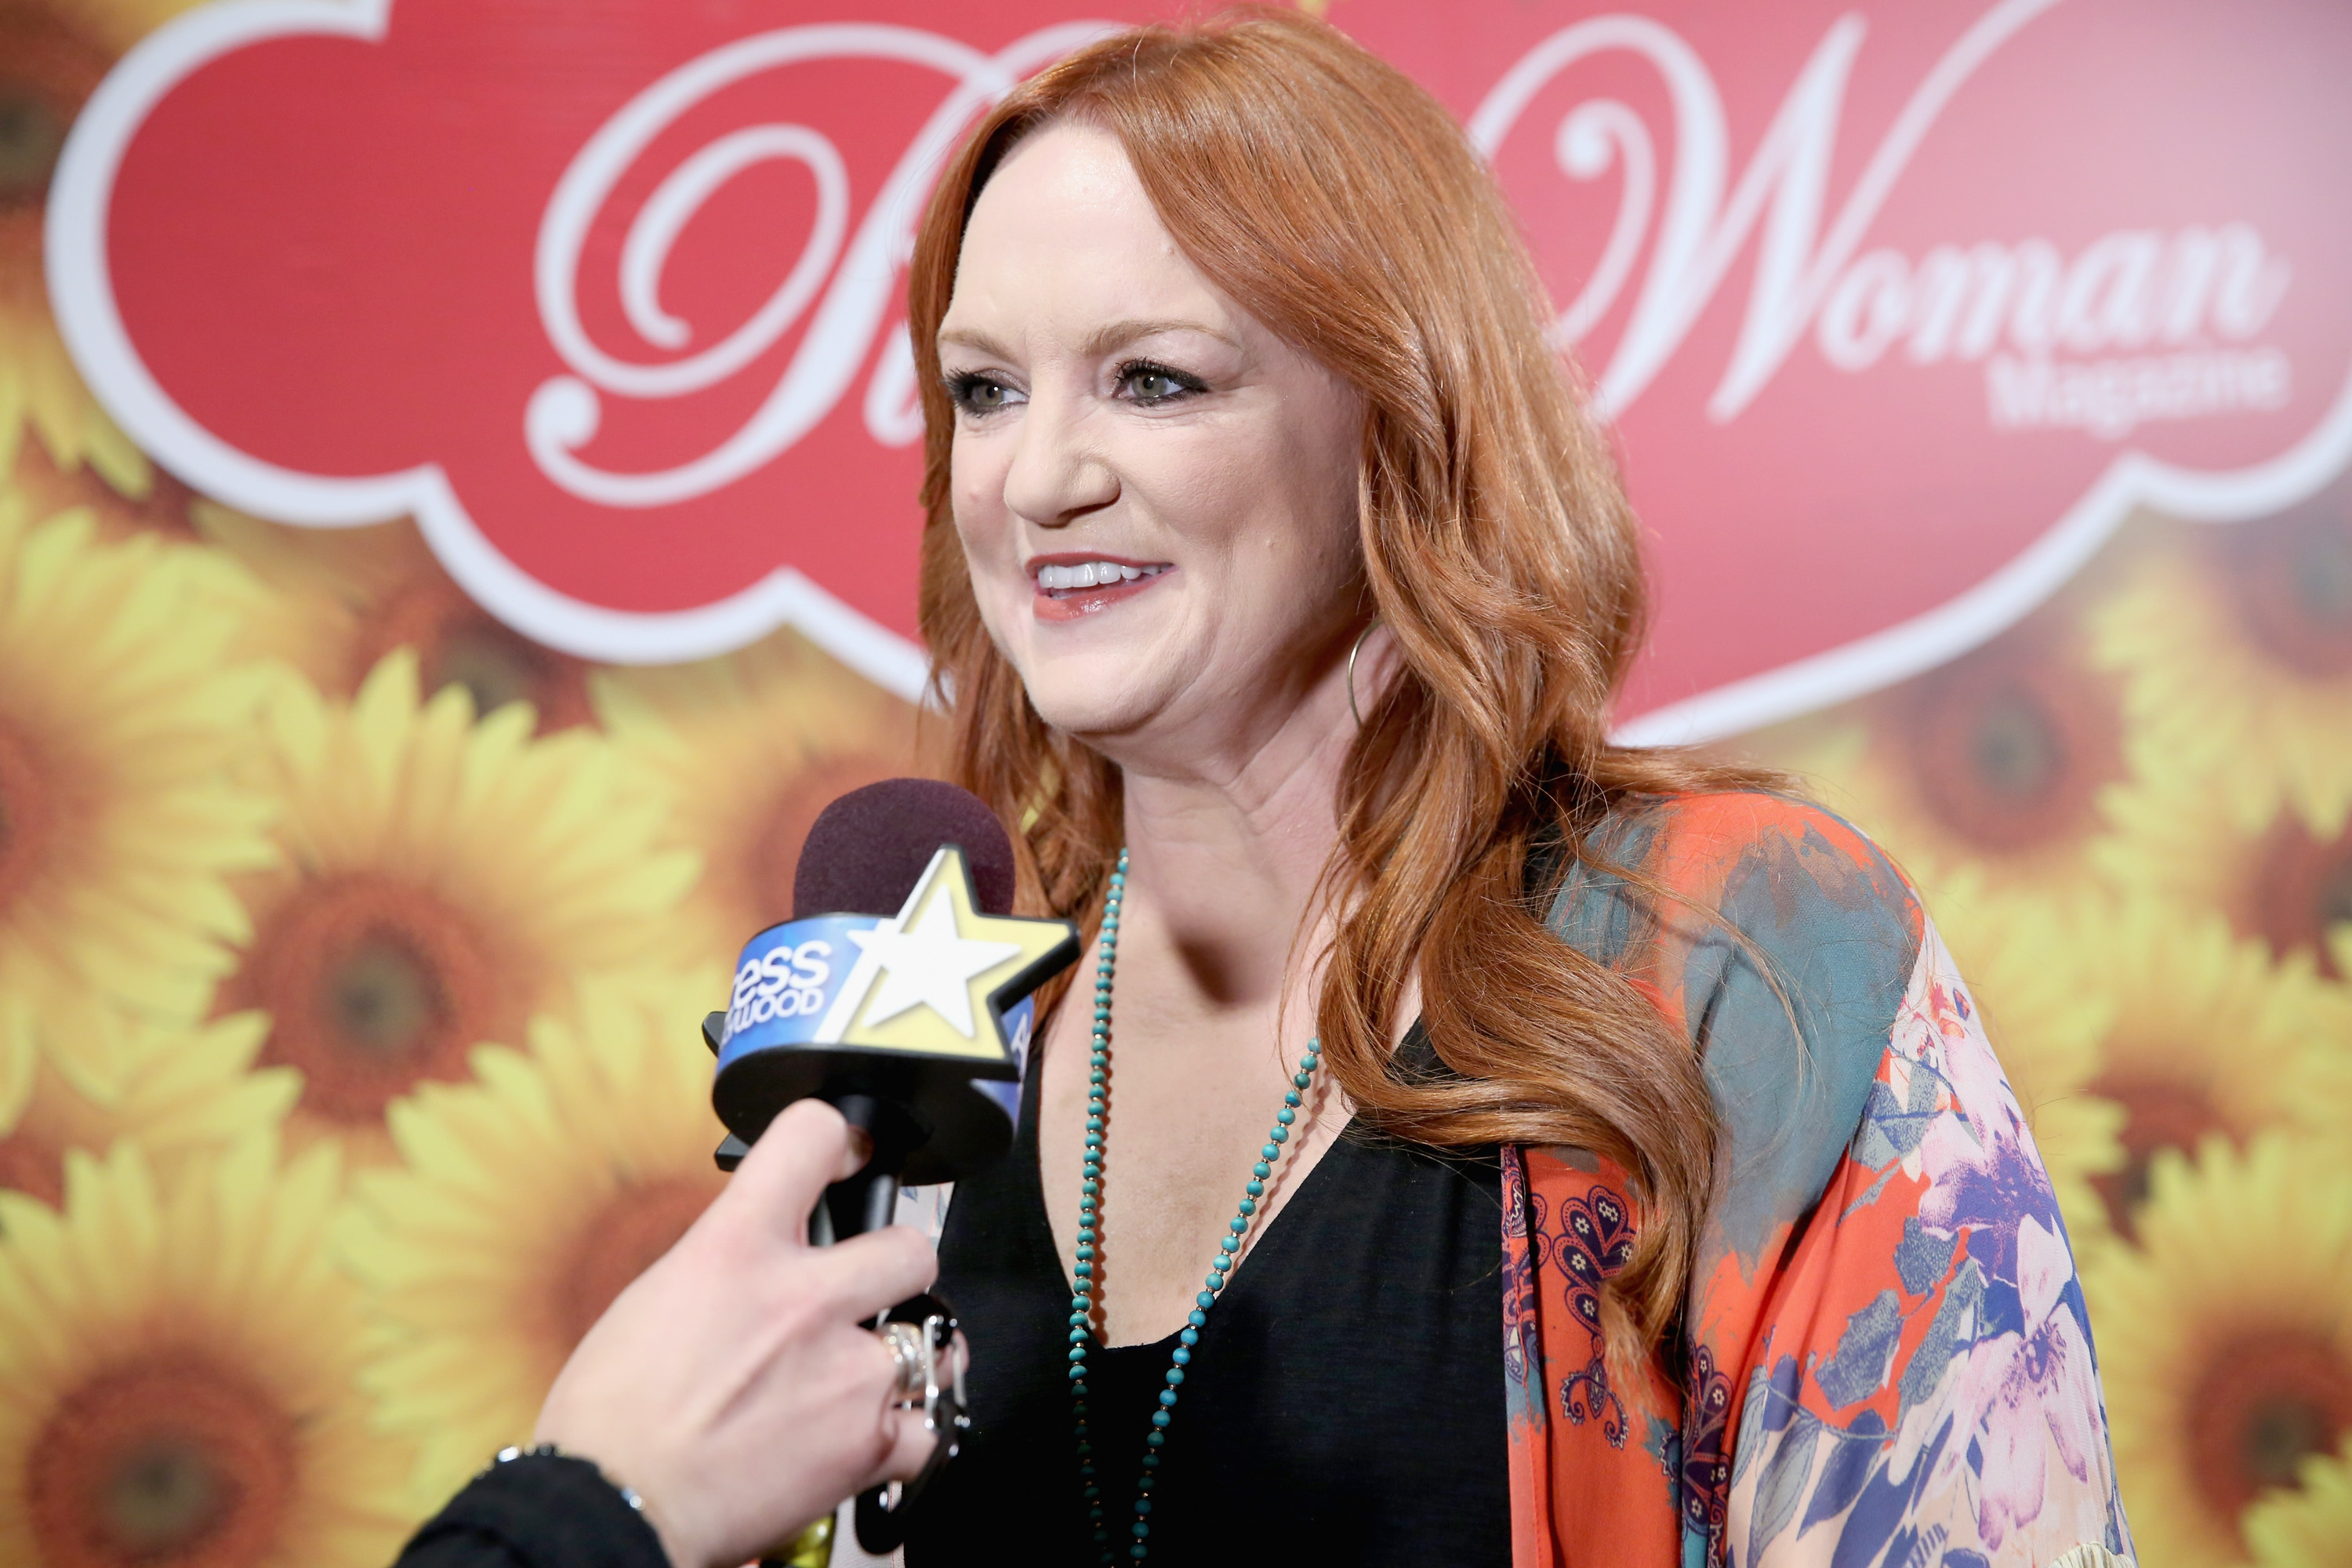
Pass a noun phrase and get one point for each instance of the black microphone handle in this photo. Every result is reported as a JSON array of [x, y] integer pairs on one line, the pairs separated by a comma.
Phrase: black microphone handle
[[868, 1199]]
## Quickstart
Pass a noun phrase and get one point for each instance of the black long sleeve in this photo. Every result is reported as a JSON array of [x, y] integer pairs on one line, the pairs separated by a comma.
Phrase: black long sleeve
[[537, 1510]]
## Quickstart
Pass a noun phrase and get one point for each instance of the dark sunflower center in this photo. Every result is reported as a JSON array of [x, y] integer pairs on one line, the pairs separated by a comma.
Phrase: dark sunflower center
[[165, 1495], [31, 134], [2292, 580], [2302, 891], [372, 984], [2016, 749], [2324, 580], [457, 644], [383, 999], [2266, 1401], [2009, 746], [636, 1227], [173, 1460], [2279, 1432], [46, 71], [2157, 1115], [2334, 903], [495, 665]]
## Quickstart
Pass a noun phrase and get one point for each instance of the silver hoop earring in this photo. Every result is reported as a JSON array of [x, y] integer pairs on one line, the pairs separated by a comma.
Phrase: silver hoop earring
[[1353, 649]]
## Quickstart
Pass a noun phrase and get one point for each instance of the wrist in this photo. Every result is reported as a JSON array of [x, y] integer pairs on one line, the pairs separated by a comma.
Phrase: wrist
[[679, 1552]]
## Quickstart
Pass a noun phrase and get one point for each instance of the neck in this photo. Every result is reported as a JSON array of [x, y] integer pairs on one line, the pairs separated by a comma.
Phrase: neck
[[1225, 854]]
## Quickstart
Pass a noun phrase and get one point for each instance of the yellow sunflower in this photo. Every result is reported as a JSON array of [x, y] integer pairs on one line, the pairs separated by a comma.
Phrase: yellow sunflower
[[2208, 1034], [157, 504], [342, 598], [2225, 1338], [52, 55], [2307, 1526], [2236, 649], [754, 745], [2046, 1025], [2000, 760], [442, 882], [178, 1376], [180, 1092], [158, 507], [528, 1199], [121, 715], [2182, 835]]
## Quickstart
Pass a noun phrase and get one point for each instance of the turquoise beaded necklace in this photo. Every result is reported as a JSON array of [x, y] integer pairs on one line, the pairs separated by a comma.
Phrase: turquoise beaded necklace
[[1089, 1194]]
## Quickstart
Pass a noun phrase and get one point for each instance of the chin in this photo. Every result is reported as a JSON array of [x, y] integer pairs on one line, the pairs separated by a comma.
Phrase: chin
[[1094, 691], [1080, 708]]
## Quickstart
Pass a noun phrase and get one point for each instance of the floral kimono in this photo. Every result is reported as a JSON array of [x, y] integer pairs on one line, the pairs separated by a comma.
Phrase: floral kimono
[[1884, 1359]]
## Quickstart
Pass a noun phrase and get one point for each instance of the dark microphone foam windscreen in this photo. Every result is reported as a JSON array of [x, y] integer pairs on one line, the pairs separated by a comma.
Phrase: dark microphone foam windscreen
[[867, 849]]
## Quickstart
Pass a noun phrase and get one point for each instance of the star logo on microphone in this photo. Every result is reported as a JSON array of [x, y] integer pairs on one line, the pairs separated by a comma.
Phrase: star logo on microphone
[[928, 963], [931, 978]]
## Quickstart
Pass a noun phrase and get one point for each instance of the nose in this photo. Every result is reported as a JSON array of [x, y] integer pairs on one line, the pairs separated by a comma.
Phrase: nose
[[1059, 471]]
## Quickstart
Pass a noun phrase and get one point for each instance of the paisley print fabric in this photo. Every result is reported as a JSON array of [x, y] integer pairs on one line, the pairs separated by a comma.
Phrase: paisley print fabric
[[1884, 1359]]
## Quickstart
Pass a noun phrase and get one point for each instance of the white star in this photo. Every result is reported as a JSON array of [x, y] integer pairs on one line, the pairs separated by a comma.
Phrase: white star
[[931, 965]]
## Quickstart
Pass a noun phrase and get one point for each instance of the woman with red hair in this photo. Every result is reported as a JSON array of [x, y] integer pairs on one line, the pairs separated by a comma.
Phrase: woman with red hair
[[1473, 1140]]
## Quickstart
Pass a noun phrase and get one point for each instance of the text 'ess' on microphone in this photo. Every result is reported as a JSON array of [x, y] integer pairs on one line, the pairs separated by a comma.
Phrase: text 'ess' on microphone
[[899, 992]]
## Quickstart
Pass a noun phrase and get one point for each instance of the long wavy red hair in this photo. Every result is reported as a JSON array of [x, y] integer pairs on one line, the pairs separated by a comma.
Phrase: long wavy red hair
[[1340, 204]]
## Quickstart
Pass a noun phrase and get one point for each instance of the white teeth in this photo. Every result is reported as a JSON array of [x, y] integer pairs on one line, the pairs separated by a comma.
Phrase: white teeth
[[1092, 573]]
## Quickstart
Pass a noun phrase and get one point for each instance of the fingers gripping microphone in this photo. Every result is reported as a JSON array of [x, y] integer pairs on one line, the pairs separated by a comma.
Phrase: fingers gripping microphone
[[899, 992]]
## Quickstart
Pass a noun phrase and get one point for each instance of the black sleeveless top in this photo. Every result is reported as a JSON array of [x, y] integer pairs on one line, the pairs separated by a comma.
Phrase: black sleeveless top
[[1344, 1406]]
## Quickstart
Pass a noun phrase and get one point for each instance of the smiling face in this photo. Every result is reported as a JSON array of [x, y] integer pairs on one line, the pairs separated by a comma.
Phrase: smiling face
[[1156, 496]]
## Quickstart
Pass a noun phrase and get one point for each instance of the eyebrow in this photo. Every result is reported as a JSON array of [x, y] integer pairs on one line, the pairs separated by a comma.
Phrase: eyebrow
[[1101, 341], [972, 339], [1111, 334]]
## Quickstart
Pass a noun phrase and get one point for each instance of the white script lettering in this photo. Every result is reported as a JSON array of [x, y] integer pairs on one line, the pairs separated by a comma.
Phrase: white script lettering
[[565, 412], [2126, 291]]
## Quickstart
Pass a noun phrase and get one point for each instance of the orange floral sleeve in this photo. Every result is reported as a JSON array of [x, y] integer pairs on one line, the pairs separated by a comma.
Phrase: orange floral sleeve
[[1884, 1360]]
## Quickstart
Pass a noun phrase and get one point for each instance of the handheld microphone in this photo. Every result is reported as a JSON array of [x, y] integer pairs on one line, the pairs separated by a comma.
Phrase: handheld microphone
[[899, 992]]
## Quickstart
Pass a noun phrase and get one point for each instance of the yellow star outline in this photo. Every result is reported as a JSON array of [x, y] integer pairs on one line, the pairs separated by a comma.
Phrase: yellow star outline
[[922, 980]]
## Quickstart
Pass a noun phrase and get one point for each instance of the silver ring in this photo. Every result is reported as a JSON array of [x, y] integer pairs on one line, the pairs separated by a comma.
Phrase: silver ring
[[909, 1373]]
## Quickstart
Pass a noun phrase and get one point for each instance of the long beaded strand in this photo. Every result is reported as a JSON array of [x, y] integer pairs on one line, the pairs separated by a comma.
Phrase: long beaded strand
[[1089, 1208]]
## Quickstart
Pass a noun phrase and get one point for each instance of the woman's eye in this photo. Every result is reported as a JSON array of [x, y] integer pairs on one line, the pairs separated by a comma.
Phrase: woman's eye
[[1149, 384], [977, 393]]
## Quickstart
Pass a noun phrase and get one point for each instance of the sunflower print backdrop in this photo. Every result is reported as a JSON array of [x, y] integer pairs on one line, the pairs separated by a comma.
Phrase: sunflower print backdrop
[[351, 948]]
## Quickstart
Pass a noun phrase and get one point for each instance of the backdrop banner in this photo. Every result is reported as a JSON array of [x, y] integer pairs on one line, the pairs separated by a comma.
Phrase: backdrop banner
[[1899, 310]]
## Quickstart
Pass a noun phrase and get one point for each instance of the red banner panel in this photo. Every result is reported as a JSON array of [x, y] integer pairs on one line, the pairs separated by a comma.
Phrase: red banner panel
[[1896, 310]]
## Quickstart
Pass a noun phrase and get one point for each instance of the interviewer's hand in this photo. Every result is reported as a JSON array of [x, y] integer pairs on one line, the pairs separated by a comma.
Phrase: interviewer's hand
[[732, 1386]]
